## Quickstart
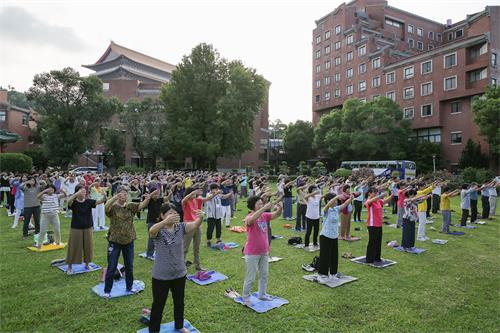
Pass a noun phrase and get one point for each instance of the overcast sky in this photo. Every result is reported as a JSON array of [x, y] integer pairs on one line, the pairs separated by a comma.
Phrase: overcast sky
[[273, 36]]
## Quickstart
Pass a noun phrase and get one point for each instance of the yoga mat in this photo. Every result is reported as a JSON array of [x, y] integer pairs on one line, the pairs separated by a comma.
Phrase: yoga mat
[[80, 268], [481, 222], [45, 248], [214, 277], [413, 250], [119, 288], [104, 228], [170, 328], [466, 226], [224, 246], [262, 306], [394, 225], [274, 259], [144, 255], [456, 233], [440, 241], [332, 282], [352, 239], [383, 264]]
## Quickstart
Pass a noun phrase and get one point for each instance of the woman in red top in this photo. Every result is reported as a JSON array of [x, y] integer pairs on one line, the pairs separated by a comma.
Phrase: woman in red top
[[374, 205]]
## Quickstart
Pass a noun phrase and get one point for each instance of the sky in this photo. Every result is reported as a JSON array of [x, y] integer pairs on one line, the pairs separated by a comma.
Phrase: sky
[[272, 36]]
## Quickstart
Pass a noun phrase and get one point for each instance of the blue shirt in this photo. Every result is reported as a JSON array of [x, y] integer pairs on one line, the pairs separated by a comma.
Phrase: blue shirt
[[225, 190], [331, 223], [473, 195], [243, 181]]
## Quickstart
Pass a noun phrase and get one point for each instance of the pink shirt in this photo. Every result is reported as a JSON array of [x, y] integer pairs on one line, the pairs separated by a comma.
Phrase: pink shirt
[[401, 198], [257, 237], [375, 213]]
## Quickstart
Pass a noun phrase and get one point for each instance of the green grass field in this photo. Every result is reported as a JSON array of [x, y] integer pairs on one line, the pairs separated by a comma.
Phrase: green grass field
[[449, 288]]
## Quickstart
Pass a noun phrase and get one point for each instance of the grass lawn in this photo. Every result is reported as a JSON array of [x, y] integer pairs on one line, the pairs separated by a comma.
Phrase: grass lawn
[[450, 288]]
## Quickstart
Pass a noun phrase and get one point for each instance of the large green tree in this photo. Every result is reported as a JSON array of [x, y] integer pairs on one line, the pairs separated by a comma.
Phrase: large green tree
[[486, 110], [115, 143], [73, 108], [211, 105], [363, 131], [298, 141], [472, 156]]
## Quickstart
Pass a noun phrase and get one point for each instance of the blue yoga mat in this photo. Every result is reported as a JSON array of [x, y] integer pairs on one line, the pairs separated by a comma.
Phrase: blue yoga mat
[[80, 268], [414, 250], [214, 277], [456, 233], [170, 328], [224, 246], [262, 306], [119, 288]]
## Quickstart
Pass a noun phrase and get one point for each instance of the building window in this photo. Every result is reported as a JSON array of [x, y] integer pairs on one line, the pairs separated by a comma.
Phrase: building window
[[450, 83], [456, 107], [3, 116], [390, 77], [408, 72], [450, 60], [426, 89], [410, 28], [479, 74], [439, 38], [493, 81], [350, 39], [420, 46], [411, 43], [456, 138], [420, 32], [337, 29], [318, 39], [476, 51], [327, 80], [375, 97], [429, 135], [327, 34], [318, 68], [362, 50], [349, 73], [376, 82], [327, 49], [459, 33], [393, 23], [363, 100], [105, 86], [349, 56], [430, 47], [426, 110], [327, 96], [431, 35], [317, 98], [362, 68], [450, 36], [391, 95], [494, 59], [338, 45], [25, 120], [318, 83], [337, 61], [318, 54], [337, 77], [362, 85], [348, 89], [327, 65], [426, 67], [408, 93], [376, 63], [337, 93], [408, 113]]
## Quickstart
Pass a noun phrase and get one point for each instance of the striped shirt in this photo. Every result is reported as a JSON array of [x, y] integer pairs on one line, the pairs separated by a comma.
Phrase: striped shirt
[[214, 209], [169, 256], [50, 204]]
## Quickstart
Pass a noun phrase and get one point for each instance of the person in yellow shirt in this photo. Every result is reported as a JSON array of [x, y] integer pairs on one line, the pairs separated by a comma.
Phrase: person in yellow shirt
[[446, 208], [422, 212], [188, 182]]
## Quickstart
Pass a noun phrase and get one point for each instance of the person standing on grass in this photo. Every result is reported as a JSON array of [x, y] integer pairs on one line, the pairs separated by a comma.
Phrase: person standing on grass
[[374, 205], [156, 202], [214, 213], [345, 213], [121, 236], [225, 186], [31, 188], [485, 199], [243, 186], [301, 222], [465, 203], [328, 239], [287, 200], [80, 240], [361, 188], [402, 190], [493, 199], [50, 214], [18, 198], [97, 191], [422, 212], [135, 194], [473, 196], [169, 269], [313, 198], [446, 208], [436, 197], [257, 246], [410, 217], [394, 192]]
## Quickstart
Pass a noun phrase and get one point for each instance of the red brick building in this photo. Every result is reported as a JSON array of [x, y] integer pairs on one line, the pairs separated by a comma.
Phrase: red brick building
[[367, 48], [128, 74]]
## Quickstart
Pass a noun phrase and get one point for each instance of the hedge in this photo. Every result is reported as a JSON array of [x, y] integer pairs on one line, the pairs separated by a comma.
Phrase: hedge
[[16, 163], [131, 169]]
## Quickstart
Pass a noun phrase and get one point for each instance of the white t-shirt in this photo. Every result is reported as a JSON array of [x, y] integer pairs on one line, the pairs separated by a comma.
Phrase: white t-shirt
[[436, 190], [312, 211], [69, 186]]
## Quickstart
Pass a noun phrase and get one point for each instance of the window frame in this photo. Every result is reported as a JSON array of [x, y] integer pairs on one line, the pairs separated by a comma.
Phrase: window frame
[[422, 67], [339, 43], [412, 108], [392, 93], [420, 34], [349, 39], [362, 47], [329, 96], [328, 65], [379, 81], [359, 85], [455, 33], [449, 77], [328, 34], [359, 68], [411, 43], [404, 72], [318, 39], [393, 75], [3, 116], [404, 92], [347, 89], [338, 29], [451, 107], [451, 138], [449, 54], [347, 73], [379, 63], [422, 88], [420, 45], [349, 56], [422, 110], [412, 29]]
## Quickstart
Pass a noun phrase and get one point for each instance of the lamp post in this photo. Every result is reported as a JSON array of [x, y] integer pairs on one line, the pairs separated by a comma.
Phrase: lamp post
[[434, 162]]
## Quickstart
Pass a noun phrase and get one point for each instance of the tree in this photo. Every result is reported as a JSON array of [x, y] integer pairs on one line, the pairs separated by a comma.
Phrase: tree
[[318, 169], [284, 168], [115, 143], [486, 110], [211, 105], [298, 141], [19, 99], [73, 109], [363, 131], [278, 129], [423, 156], [39, 158], [303, 168], [472, 156], [145, 123]]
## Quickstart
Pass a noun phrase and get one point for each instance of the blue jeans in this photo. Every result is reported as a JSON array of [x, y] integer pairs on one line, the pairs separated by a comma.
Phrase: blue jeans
[[287, 207], [114, 250]]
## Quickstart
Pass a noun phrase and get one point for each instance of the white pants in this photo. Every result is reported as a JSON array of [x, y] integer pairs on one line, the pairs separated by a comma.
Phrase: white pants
[[422, 220], [17, 215], [98, 216], [493, 205], [226, 214], [256, 264]]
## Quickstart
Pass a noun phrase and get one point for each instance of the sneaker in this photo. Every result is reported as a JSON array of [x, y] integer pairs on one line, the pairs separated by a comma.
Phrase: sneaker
[[266, 298], [423, 239], [133, 290], [247, 301], [188, 263], [107, 295], [323, 279], [209, 244], [14, 226]]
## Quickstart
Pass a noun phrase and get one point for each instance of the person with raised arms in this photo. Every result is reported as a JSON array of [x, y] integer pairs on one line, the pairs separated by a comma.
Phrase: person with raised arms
[[374, 204], [445, 207], [50, 214]]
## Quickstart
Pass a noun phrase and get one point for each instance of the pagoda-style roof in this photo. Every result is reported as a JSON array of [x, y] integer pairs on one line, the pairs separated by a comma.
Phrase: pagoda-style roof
[[115, 51]]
